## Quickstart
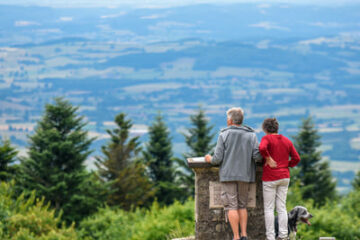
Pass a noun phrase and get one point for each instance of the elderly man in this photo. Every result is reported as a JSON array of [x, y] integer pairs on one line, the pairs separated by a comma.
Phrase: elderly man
[[236, 151]]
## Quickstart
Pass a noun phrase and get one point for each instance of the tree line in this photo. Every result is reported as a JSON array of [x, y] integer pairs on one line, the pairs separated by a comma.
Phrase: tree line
[[129, 174]]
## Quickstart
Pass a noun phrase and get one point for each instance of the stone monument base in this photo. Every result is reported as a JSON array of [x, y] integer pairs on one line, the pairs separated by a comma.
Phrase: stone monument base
[[209, 214]]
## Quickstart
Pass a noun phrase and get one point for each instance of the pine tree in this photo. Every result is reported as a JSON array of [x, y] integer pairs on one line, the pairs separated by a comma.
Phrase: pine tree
[[55, 165], [356, 182], [199, 139], [121, 168], [7, 159], [159, 158], [314, 174]]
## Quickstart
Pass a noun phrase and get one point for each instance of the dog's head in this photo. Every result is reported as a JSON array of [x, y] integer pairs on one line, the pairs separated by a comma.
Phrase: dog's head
[[300, 213]]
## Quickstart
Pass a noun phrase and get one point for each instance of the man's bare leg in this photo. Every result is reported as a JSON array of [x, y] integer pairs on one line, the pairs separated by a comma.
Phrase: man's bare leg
[[243, 221], [234, 222]]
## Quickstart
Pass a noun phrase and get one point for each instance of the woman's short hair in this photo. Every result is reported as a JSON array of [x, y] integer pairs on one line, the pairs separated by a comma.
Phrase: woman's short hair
[[270, 125], [236, 115]]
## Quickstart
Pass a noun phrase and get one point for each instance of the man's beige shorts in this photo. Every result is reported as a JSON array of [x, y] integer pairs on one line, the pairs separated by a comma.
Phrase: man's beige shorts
[[234, 195]]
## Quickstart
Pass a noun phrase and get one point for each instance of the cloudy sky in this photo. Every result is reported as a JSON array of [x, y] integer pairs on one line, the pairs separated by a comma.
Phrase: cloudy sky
[[160, 3]]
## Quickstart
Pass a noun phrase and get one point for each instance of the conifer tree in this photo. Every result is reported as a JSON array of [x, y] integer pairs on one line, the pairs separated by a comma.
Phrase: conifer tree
[[55, 165], [314, 174], [7, 159], [199, 139], [159, 158], [121, 168], [356, 182]]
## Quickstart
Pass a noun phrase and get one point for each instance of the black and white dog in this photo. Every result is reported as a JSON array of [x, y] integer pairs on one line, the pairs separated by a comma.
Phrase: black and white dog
[[297, 214]]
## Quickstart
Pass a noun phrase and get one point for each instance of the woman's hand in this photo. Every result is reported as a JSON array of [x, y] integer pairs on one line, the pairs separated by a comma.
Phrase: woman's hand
[[271, 162]]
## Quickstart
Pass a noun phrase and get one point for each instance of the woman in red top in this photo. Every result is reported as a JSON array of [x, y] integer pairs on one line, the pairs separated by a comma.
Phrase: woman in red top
[[280, 154]]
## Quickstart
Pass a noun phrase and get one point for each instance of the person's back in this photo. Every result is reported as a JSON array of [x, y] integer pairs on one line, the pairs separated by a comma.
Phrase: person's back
[[236, 153], [280, 148]]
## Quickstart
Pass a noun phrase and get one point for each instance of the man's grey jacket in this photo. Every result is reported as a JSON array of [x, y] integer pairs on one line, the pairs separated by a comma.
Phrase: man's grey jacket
[[236, 152]]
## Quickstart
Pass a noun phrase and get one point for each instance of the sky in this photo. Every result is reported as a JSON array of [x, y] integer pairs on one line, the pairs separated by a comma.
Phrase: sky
[[160, 3]]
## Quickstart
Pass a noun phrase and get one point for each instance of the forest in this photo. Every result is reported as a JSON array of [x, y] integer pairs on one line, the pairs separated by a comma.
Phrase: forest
[[140, 190]]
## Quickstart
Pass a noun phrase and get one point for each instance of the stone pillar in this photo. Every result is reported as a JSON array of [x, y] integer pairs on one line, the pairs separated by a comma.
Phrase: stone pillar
[[210, 217]]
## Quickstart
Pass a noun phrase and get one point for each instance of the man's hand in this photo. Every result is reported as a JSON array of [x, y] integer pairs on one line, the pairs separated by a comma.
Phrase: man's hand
[[271, 162], [208, 158]]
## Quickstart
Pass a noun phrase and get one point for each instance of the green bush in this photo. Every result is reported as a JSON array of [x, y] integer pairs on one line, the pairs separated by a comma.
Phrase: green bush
[[330, 220], [156, 223], [31, 219], [108, 224], [351, 203], [27, 219], [174, 221], [340, 219]]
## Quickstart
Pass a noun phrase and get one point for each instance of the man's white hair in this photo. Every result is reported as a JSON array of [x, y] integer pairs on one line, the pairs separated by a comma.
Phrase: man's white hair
[[236, 115]]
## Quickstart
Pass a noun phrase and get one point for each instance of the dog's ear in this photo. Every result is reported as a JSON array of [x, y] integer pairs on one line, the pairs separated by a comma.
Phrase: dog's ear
[[292, 213]]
